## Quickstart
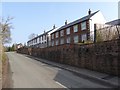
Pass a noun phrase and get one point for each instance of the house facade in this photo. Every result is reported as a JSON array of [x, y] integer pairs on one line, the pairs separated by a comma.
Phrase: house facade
[[43, 40], [77, 31], [19, 45]]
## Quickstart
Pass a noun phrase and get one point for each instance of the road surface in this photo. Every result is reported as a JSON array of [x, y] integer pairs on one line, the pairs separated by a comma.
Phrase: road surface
[[29, 73]]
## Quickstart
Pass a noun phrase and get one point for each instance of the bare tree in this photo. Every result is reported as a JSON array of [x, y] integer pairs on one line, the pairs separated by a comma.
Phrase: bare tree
[[5, 29], [31, 36], [107, 32]]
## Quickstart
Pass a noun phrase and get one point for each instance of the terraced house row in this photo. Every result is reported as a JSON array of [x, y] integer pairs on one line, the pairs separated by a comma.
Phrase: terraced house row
[[77, 31]]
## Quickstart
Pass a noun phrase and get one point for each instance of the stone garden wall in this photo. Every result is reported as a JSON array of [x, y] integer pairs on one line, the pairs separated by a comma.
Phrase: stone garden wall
[[103, 56]]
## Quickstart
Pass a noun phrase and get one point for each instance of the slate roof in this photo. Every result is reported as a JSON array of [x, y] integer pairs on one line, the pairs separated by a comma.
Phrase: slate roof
[[114, 22], [45, 33], [78, 21], [70, 24]]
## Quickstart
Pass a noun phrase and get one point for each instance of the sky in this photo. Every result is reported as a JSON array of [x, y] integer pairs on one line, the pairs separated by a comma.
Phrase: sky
[[35, 17]]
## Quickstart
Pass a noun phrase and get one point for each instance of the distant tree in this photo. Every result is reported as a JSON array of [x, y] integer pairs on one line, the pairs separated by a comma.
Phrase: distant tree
[[9, 49], [13, 47]]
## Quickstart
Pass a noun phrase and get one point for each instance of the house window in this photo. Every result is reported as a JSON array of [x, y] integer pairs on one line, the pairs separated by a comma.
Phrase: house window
[[83, 25], [56, 34], [68, 31], [62, 33], [68, 39], [49, 38], [75, 28], [61, 41], [33, 41], [45, 37], [52, 36], [49, 43], [52, 43], [38, 40], [76, 39], [84, 37], [56, 42]]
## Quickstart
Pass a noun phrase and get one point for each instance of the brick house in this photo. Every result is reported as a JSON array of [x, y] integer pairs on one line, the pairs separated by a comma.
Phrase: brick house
[[77, 31], [19, 45], [42, 40]]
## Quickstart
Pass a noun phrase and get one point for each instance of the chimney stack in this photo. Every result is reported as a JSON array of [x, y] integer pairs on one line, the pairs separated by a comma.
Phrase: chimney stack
[[44, 31], [66, 22], [54, 26], [89, 12]]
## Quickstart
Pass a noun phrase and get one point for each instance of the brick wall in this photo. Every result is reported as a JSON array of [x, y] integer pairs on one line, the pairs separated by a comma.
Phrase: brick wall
[[102, 57]]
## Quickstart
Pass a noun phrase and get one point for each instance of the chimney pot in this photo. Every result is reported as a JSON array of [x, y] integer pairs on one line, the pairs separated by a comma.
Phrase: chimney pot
[[54, 26], [89, 12], [66, 22]]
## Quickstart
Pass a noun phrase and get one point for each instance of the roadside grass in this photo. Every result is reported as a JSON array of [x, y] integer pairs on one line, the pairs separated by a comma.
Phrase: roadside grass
[[5, 66], [4, 57]]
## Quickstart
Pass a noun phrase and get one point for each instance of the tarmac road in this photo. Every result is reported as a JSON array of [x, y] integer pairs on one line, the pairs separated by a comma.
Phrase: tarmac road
[[30, 73]]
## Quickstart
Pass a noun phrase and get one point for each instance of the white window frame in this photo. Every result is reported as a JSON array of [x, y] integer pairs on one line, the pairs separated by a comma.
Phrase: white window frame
[[76, 39], [49, 43], [62, 41], [68, 31], [56, 34], [84, 37], [43, 37], [52, 36], [52, 43], [62, 33], [37, 40], [68, 40], [83, 25], [75, 28], [56, 42]]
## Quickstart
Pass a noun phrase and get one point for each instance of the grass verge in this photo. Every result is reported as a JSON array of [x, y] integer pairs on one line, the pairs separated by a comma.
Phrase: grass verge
[[5, 66]]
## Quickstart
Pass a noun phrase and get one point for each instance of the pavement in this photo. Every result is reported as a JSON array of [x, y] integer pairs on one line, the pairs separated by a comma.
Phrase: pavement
[[94, 76]]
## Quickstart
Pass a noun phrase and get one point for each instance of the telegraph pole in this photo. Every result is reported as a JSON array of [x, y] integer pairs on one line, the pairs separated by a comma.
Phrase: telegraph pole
[[94, 33]]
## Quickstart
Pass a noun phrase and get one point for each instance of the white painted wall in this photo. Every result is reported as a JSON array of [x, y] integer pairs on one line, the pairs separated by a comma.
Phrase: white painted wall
[[98, 18], [49, 36]]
